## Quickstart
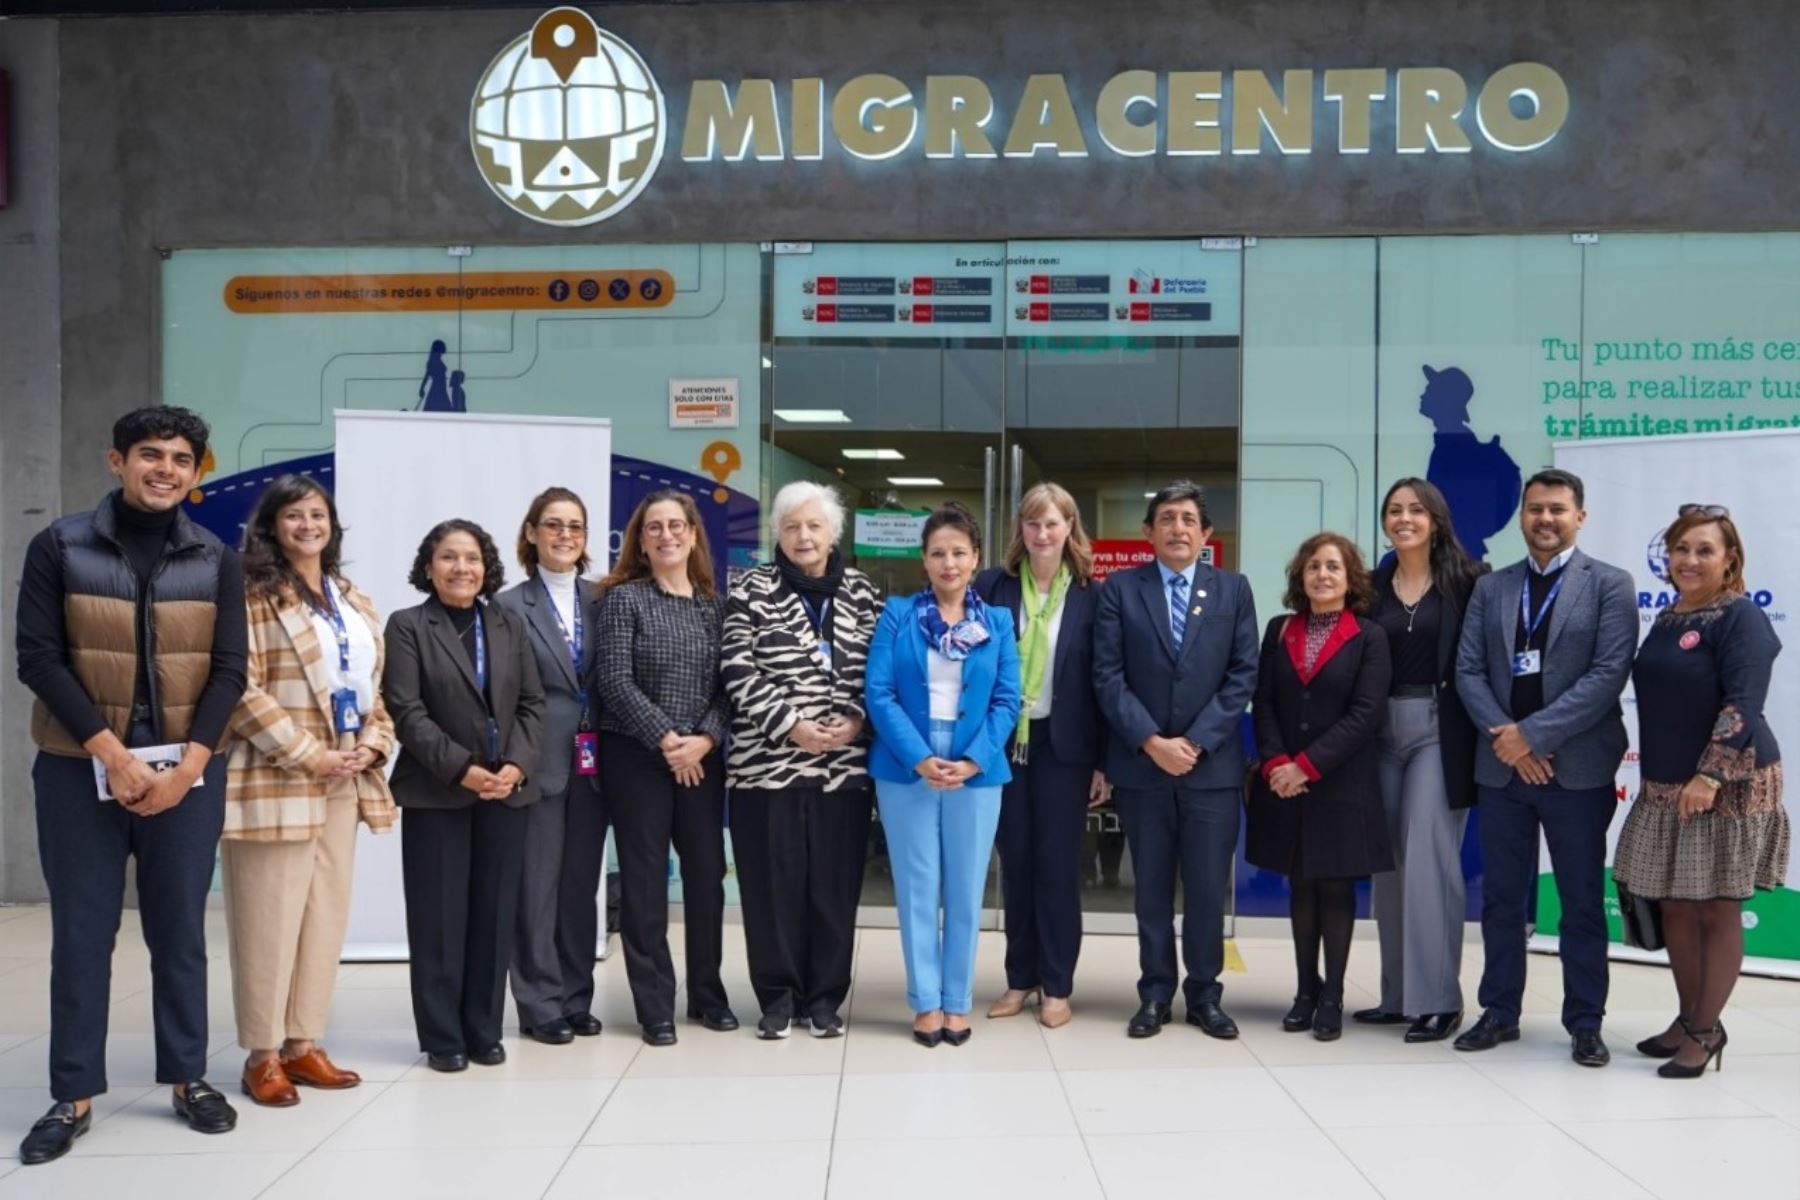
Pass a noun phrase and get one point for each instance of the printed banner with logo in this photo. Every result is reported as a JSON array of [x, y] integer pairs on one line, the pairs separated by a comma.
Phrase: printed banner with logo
[[1633, 488]]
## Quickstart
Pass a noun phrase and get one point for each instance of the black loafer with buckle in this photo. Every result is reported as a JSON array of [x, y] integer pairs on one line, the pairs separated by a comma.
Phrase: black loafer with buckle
[[204, 1109], [53, 1134]]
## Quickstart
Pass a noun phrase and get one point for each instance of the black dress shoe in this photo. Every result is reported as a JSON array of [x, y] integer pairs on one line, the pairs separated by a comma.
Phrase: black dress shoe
[[1434, 1027], [774, 1027], [1487, 1033], [1300, 1017], [1328, 1021], [53, 1134], [659, 1033], [1586, 1048], [719, 1020], [552, 1033], [489, 1056], [1212, 1020], [449, 1062], [584, 1025], [1149, 1020], [204, 1109], [1377, 1016]]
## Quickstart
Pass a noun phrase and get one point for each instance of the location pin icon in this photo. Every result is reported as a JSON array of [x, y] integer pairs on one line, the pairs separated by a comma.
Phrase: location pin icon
[[719, 460], [563, 37]]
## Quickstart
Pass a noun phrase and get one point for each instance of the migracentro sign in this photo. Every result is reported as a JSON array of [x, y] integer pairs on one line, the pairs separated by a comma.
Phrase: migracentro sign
[[568, 122]]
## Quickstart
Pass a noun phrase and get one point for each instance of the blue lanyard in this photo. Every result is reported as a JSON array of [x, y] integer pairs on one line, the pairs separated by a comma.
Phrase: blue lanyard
[[1530, 622], [343, 632], [820, 616], [480, 652], [575, 643]]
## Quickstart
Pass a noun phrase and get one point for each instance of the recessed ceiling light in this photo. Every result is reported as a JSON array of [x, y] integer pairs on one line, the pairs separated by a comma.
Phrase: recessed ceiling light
[[882, 454], [915, 481], [815, 416]]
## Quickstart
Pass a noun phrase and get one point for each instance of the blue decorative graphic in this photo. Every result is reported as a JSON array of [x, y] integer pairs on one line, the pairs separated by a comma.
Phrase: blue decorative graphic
[[434, 396], [559, 290], [650, 289], [619, 289], [1480, 481], [589, 290]]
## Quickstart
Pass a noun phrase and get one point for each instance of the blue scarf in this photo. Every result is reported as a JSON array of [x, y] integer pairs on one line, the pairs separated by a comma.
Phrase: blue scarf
[[952, 641]]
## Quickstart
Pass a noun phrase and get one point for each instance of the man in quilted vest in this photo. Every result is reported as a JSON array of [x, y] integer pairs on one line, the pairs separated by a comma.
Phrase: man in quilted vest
[[131, 635]]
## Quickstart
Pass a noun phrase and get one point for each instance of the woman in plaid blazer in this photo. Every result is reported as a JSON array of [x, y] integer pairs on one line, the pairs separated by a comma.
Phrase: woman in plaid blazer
[[311, 736]]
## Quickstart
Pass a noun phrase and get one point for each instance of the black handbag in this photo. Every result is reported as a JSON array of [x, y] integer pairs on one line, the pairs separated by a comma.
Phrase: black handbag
[[1641, 918]]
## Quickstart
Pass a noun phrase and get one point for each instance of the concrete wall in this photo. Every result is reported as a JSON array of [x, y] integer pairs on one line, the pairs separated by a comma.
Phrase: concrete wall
[[334, 129]]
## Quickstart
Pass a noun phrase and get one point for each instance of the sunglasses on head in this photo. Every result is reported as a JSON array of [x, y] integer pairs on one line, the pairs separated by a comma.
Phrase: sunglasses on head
[[1711, 510]]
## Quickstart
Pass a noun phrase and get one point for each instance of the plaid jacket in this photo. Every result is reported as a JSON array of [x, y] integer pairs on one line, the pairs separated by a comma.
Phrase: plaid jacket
[[282, 726]]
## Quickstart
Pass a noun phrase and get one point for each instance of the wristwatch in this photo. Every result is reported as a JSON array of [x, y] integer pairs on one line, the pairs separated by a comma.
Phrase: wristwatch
[[1709, 781]]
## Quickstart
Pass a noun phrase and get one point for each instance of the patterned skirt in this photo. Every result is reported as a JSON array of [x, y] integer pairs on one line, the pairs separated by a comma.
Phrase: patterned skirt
[[1740, 845]]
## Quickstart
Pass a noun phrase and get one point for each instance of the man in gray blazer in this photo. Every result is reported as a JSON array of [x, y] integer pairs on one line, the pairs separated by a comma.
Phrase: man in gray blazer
[[1546, 648], [1175, 659]]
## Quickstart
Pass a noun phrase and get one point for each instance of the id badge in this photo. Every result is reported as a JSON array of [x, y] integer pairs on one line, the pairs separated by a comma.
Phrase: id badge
[[1528, 662], [493, 741], [344, 715], [822, 654], [587, 753]]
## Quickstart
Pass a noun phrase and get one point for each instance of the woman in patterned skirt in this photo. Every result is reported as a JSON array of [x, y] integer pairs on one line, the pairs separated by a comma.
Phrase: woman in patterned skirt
[[796, 644], [1708, 827]]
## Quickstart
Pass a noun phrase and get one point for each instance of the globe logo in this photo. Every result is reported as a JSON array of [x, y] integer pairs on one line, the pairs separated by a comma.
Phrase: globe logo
[[567, 123], [1656, 555]]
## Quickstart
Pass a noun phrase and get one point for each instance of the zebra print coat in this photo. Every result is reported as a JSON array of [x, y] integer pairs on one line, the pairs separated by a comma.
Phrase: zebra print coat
[[774, 678]]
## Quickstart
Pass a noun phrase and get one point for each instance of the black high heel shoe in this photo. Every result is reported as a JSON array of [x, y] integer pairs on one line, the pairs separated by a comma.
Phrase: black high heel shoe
[[1715, 1053], [1299, 1018], [1655, 1047]]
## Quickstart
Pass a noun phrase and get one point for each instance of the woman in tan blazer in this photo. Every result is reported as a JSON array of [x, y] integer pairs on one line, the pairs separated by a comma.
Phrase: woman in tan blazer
[[311, 736]]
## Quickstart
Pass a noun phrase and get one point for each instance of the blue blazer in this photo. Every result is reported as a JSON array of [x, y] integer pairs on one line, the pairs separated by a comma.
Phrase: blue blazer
[[1197, 690], [899, 698], [1077, 728]]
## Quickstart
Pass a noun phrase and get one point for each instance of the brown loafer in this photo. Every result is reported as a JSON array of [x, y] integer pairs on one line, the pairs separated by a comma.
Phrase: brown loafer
[[268, 1085], [314, 1069], [1054, 1012]]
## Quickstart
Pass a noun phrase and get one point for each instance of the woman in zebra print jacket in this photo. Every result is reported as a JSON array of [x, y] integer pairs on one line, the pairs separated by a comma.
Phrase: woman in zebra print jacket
[[796, 643]]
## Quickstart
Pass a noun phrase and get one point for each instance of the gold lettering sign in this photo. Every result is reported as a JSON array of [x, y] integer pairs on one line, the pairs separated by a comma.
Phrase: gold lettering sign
[[1355, 93], [809, 119], [1430, 100], [1194, 111], [1549, 98], [732, 128], [1112, 114], [957, 107], [1288, 117], [873, 116], [1045, 118]]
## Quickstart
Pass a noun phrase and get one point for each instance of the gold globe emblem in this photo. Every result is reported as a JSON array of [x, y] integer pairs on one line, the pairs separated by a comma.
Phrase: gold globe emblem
[[567, 123]]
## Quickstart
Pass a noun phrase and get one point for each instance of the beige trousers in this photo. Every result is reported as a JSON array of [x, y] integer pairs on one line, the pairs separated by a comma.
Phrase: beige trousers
[[286, 906]]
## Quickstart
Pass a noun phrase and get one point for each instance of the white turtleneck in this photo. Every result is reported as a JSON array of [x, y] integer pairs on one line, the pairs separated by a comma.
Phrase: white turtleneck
[[561, 586]]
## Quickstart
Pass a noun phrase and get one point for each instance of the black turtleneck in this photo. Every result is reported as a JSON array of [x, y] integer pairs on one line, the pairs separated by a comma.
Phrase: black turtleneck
[[142, 535]]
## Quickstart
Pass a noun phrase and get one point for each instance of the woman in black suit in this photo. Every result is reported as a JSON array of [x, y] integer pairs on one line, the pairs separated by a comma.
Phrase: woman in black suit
[[1427, 764], [1321, 694], [1048, 586], [462, 686]]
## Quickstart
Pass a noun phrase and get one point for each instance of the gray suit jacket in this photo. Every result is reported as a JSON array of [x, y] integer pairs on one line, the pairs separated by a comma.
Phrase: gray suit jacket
[[1198, 690], [1587, 659], [563, 688]]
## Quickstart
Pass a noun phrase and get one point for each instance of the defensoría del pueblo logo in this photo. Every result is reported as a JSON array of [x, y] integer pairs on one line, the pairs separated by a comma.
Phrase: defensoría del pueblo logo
[[567, 123]]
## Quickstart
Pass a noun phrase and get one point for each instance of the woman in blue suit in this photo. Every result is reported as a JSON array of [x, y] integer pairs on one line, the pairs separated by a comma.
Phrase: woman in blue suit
[[943, 697]]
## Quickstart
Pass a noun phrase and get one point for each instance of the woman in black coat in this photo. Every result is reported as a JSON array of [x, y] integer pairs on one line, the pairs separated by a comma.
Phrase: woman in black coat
[[1316, 816]]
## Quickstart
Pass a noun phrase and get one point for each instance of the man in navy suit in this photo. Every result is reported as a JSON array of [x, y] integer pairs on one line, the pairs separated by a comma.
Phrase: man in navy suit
[[1175, 655]]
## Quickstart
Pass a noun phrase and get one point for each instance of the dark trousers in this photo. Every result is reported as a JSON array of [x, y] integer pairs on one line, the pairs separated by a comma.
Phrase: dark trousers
[[800, 854], [552, 964], [1043, 813], [1192, 831], [649, 811], [460, 870], [83, 844], [1574, 822]]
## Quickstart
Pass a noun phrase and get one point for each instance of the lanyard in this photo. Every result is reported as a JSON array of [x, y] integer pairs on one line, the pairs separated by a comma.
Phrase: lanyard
[[343, 632], [481, 672], [577, 642], [1530, 622], [820, 616]]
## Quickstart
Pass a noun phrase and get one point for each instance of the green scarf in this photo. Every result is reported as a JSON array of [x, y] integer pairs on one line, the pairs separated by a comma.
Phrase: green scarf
[[1034, 646]]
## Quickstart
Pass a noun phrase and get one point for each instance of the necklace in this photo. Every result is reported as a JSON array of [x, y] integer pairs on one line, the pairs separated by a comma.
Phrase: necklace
[[1411, 610]]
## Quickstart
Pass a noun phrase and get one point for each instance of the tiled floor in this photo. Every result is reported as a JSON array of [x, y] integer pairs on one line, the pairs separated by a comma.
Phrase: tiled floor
[[1019, 1111]]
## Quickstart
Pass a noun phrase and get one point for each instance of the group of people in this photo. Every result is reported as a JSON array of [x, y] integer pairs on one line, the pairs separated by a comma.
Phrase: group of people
[[257, 703]]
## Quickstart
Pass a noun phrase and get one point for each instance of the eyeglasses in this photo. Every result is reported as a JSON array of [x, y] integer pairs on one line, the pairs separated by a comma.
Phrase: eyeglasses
[[1715, 511], [557, 528], [673, 528]]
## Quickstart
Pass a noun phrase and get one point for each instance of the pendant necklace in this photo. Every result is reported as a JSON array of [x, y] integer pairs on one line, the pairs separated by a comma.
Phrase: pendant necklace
[[1411, 610]]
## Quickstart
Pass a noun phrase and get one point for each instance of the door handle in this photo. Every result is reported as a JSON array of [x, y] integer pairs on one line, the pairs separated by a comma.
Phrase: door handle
[[989, 490], [1015, 481]]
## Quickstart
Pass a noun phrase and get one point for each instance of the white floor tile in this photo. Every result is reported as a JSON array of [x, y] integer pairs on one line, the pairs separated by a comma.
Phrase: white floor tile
[[1678, 1160], [795, 1108], [963, 1169], [1472, 1162], [378, 1055], [149, 1124], [603, 1058], [1425, 1095], [700, 1051], [1239, 1162], [1627, 1090], [20, 1106], [541, 1113], [770, 1171], [1771, 1082], [923, 1107], [130, 1061], [1180, 1101], [881, 1043], [148, 1177], [441, 1172]]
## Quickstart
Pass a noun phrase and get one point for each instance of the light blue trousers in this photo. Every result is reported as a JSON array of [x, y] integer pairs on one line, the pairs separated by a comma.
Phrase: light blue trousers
[[939, 843]]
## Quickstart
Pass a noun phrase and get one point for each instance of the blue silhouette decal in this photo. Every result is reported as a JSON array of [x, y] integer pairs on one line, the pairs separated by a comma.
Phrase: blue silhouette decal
[[459, 400], [1479, 479], [434, 395]]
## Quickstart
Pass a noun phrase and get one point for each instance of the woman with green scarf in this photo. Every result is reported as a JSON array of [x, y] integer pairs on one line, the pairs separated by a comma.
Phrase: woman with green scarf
[[1047, 585]]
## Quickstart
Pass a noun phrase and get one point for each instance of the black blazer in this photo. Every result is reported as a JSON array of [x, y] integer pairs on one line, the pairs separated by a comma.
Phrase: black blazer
[[440, 716], [564, 687], [1456, 731], [1329, 725], [1077, 727]]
